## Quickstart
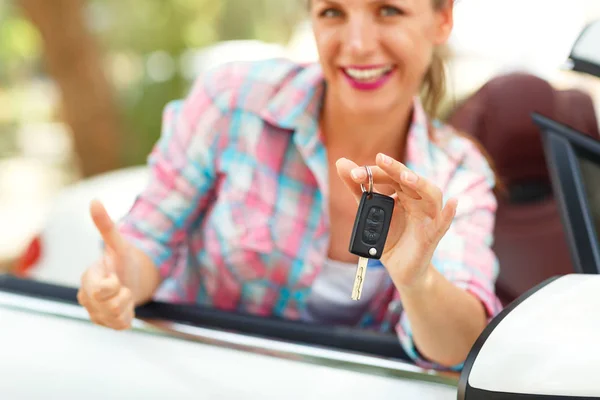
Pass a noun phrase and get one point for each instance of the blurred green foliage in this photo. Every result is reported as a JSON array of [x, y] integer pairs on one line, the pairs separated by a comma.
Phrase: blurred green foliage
[[19, 46], [133, 35]]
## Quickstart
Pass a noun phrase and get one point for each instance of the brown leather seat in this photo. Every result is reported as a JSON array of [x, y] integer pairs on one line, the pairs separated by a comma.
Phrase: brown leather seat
[[529, 237], [577, 110]]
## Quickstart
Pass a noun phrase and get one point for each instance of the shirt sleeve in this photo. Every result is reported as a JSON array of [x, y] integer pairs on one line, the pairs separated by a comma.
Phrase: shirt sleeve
[[465, 256], [182, 175]]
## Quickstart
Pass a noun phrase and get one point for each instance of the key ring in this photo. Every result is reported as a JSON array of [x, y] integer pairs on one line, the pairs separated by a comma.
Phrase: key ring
[[370, 175]]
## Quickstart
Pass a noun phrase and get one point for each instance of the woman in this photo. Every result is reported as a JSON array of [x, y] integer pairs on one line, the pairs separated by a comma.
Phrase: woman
[[257, 175]]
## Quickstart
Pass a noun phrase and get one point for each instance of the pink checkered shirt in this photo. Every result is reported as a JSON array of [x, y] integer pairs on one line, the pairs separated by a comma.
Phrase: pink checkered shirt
[[235, 215]]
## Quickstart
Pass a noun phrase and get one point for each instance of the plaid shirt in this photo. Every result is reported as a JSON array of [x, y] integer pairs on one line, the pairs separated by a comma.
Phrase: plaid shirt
[[236, 213]]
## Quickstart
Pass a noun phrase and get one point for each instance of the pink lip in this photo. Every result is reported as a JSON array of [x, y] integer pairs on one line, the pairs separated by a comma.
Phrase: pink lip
[[367, 86]]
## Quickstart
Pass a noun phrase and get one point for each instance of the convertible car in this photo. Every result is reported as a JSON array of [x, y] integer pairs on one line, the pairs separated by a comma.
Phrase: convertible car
[[49, 348]]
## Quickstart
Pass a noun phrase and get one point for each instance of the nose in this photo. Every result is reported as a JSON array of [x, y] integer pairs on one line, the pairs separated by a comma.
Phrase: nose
[[360, 36]]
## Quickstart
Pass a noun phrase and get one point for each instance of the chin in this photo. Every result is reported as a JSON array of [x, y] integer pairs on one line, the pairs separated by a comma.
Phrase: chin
[[369, 103], [367, 106]]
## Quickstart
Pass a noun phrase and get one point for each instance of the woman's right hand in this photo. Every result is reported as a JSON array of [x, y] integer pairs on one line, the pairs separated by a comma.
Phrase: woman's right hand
[[106, 291]]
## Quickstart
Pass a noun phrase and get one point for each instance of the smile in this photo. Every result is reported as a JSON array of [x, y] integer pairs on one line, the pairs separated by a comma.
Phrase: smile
[[368, 78]]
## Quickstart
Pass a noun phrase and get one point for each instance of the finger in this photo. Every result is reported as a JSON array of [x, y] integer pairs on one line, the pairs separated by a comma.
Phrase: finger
[[108, 264], [344, 170], [411, 183], [88, 304], [83, 299], [448, 214], [120, 322], [106, 227], [124, 321], [394, 169], [103, 289], [95, 320], [118, 304], [380, 177]]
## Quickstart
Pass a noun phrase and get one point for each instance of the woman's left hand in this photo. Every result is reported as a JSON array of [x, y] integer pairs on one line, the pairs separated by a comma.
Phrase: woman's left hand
[[419, 220]]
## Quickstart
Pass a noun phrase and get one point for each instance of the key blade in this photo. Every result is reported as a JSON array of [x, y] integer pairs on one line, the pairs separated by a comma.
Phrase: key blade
[[359, 279]]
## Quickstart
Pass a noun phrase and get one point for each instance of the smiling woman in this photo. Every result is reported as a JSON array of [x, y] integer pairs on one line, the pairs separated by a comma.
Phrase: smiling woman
[[434, 81], [255, 182]]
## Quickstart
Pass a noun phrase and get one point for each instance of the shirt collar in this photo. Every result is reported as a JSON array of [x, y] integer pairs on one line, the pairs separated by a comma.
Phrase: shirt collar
[[298, 102]]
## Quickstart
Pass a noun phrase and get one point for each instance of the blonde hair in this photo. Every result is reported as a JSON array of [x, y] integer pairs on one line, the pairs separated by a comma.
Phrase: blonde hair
[[433, 89]]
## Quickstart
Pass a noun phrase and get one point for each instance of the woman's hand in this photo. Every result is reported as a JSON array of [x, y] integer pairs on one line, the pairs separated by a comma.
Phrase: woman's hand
[[105, 286], [419, 222]]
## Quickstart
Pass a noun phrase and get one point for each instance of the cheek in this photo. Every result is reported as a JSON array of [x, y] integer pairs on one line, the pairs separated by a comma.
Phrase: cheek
[[408, 47], [325, 39], [327, 42]]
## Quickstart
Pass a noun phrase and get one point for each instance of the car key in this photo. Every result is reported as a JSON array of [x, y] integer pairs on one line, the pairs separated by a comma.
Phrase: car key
[[370, 231]]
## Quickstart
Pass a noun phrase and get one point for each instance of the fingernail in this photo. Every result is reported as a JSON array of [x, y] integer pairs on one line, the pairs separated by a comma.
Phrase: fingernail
[[358, 173], [409, 177], [385, 159]]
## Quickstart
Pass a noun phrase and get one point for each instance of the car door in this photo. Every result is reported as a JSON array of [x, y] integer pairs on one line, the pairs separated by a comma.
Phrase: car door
[[50, 349]]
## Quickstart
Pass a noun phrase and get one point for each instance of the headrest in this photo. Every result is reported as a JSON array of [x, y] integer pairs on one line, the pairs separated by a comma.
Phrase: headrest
[[499, 116], [577, 110]]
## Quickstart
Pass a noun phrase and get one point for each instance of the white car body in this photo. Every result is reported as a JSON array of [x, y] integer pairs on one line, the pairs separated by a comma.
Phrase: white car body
[[73, 358]]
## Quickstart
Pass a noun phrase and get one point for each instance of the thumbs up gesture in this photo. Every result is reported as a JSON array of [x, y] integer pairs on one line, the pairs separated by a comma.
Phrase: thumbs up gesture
[[106, 291]]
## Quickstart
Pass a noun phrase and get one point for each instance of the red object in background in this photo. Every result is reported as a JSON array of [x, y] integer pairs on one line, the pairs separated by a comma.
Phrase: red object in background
[[29, 258]]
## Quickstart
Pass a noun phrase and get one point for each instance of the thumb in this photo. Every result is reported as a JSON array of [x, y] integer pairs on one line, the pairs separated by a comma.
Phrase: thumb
[[115, 245], [109, 262], [448, 214]]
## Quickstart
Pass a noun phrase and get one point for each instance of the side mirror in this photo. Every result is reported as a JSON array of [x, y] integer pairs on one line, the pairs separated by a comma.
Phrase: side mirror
[[544, 345], [585, 54]]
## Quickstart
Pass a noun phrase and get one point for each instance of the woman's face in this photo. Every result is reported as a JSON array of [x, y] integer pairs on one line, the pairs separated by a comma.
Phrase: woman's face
[[375, 53]]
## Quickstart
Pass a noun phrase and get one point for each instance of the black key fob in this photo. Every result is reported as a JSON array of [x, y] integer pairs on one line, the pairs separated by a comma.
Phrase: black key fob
[[371, 225]]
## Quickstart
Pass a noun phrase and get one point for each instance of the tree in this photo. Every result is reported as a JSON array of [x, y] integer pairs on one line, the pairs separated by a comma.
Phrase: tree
[[73, 59]]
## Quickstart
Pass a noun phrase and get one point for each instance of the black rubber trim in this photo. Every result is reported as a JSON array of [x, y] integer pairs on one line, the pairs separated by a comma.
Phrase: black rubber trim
[[585, 67], [484, 394], [481, 394], [335, 337]]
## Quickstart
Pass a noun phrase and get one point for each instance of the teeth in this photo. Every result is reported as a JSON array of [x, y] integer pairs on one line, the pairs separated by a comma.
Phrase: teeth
[[367, 74]]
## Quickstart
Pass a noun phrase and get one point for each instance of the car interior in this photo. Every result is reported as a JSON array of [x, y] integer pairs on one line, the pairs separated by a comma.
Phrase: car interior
[[530, 241], [533, 239]]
